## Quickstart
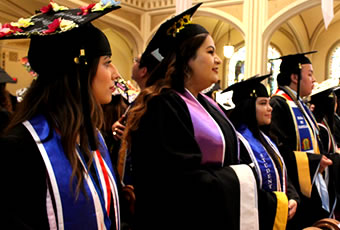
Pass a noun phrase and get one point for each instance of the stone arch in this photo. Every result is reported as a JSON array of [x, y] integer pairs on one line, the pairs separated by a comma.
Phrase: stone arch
[[285, 14]]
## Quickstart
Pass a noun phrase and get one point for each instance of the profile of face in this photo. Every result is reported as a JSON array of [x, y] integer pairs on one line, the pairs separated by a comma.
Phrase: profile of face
[[263, 111], [103, 82], [204, 66], [307, 80]]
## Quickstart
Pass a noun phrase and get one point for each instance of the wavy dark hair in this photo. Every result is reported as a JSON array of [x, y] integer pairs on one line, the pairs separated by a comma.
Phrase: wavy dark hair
[[58, 98], [171, 73]]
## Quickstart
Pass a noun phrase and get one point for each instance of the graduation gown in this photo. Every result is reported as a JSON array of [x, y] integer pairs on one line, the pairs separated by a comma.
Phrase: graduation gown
[[271, 180], [337, 129], [30, 198], [283, 127], [174, 189]]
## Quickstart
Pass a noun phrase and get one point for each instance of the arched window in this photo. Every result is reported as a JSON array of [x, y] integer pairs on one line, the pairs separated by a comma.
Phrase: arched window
[[273, 67], [334, 62], [236, 66]]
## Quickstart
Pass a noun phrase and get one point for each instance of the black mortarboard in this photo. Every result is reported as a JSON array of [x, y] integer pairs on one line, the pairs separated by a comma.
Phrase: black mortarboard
[[249, 88], [171, 33], [5, 78], [63, 39]]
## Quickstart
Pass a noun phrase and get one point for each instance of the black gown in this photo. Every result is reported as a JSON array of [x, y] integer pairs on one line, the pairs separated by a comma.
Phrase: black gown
[[173, 189], [25, 180], [337, 129], [268, 202], [283, 129]]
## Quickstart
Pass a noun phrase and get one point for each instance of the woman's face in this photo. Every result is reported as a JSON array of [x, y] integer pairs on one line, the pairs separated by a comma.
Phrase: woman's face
[[263, 111], [103, 81], [204, 67]]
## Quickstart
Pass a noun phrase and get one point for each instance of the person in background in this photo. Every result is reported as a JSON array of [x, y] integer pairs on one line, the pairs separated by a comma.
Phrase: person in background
[[62, 177], [337, 116], [7, 100], [251, 118], [324, 100], [297, 135], [184, 150]]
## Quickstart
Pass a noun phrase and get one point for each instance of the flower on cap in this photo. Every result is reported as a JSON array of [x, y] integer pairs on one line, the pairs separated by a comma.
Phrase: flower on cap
[[61, 24], [22, 23], [67, 25], [86, 9], [52, 6], [179, 25], [7, 29], [100, 6]]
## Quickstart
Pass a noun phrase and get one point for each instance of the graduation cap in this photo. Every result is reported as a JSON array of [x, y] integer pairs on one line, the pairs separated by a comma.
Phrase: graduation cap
[[5, 78], [63, 40], [249, 88], [336, 90], [171, 33], [58, 34], [324, 89], [291, 64]]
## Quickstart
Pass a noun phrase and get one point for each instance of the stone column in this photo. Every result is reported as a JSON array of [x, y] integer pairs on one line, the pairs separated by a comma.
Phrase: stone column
[[254, 17]]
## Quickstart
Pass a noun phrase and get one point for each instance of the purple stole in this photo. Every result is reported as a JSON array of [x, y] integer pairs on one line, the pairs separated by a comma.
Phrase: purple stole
[[207, 132]]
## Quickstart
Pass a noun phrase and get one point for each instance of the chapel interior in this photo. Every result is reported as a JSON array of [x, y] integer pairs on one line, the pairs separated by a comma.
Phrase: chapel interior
[[247, 34]]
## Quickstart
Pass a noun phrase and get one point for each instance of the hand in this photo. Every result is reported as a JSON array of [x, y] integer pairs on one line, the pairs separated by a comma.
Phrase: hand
[[324, 163], [292, 205], [118, 128]]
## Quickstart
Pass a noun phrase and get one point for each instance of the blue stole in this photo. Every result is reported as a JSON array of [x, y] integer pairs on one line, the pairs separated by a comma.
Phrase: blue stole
[[87, 211], [207, 132], [305, 124], [271, 178]]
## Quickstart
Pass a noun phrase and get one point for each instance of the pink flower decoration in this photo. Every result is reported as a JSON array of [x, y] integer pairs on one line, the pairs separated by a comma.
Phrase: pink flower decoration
[[46, 9], [86, 9], [7, 29], [53, 26]]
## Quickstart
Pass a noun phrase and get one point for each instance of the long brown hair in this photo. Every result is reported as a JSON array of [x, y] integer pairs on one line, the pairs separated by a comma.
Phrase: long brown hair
[[58, 98], [5, 99], [172, 73]]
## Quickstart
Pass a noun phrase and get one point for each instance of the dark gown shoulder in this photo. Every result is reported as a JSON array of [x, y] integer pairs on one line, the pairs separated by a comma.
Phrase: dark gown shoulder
[[25, 181]]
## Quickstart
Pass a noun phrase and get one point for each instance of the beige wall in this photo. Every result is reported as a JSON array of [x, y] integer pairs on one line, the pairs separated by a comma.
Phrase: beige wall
[[291, 25], [324, 45]]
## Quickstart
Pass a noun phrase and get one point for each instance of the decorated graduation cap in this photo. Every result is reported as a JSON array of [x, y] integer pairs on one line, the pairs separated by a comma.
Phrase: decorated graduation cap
[[58, 34], [64, 40], [5, 78], [172, 33], [291, 64], [249, 88]]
